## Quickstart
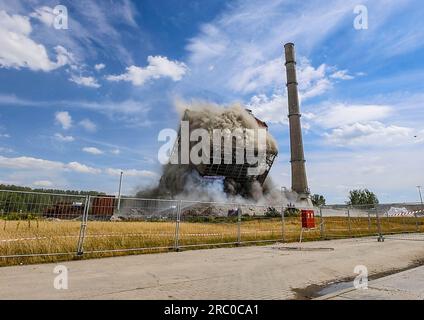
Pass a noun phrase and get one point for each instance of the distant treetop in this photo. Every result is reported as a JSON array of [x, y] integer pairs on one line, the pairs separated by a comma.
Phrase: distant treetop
[[57, 191], [362, 197]]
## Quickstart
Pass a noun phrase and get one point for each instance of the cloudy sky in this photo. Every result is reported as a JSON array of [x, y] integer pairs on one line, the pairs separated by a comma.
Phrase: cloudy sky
[[78, 105]]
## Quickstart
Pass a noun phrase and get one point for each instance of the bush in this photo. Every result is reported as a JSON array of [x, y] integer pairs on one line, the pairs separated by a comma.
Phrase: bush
[[318, 200], [292, 212], [18, 216], [272, 213]]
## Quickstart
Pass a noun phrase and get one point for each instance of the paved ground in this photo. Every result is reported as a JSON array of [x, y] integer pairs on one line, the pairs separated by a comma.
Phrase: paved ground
[[407, 285], [267, 272]]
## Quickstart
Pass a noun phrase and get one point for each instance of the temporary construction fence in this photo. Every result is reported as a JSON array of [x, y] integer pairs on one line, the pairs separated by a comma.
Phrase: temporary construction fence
[[38, 227]]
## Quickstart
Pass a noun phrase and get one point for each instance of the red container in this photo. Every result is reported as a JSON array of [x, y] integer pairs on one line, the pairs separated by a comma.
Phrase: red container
[[308, 219], [103, 206]]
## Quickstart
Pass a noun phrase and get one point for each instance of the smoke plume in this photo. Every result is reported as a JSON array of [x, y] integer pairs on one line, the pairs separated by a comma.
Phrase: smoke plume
[[183, 181]]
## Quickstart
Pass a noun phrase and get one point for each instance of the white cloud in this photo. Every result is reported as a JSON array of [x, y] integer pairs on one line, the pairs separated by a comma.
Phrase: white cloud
[[4, 135], [92, 26], [30, 163], [203, 50], [273, 109], [99, 66], [81, 168], [44, 14], [241, 45], [319, 88], [343, 75], [88, 125], [373, 133], [92, 150], [116, 151], [63, 138], [312, 82], [158, 67], [42, 183], [64, 119], [45, 173], [132, 112], [308, 75], [126, 107], [132, 173], [271, 74], [257, 77], [90, 82], [18, 50], [342, 114]]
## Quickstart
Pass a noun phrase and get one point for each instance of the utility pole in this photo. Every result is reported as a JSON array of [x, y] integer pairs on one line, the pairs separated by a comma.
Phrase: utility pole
[[119, 192]]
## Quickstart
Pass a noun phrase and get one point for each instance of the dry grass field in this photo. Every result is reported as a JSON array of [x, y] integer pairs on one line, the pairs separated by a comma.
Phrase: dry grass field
[[46, 237]]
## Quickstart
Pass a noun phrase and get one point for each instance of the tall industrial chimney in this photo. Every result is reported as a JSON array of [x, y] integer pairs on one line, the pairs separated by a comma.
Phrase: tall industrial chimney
[[299, 181]]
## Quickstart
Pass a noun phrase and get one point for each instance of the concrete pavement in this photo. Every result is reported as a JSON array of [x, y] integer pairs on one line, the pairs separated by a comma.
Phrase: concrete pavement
[[263, 272], [406, 285]]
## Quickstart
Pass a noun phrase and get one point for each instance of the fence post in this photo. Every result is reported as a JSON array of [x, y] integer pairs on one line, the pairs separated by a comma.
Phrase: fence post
[[177, 227], [349, 222], [84, 219], [417, 228], [380, 234], [369, 221], [322, 223], [283, 225], [238, 225]]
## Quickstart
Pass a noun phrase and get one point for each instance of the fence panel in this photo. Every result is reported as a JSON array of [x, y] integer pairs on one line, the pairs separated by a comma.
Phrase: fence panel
[[38, 224], [363, 221], [134, 225], [402, 221], [260, 223], [341, 221], [335, 221], [208, 223]]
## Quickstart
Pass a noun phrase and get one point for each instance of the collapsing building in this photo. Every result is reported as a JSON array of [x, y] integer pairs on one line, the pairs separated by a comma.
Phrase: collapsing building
[[222, 163], [221, 175]]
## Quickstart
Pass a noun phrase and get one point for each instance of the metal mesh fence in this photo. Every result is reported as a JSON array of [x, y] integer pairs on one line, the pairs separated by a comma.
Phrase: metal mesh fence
[[261, 223], [349, 221], [38, 227], [207, 223], [39, 224], [402, 221], [130, 224]]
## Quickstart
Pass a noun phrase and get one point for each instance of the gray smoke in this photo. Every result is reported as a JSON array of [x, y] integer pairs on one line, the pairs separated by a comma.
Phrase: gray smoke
[[184, 182]]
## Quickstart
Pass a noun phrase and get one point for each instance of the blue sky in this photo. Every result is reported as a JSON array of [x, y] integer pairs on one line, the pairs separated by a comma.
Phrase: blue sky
[[77, 105]]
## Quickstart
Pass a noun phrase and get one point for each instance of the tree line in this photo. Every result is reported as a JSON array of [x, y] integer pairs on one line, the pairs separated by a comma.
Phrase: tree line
[[12, 187], [26, 202], [357, 197]]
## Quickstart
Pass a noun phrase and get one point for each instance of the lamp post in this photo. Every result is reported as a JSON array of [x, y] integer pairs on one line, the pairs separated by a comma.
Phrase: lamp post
[[119, 192], [419, 192]]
